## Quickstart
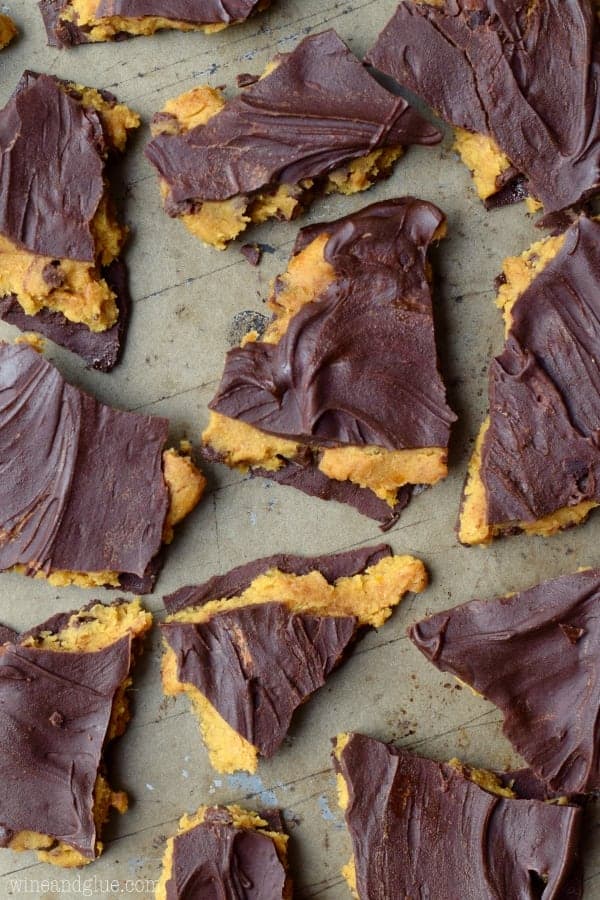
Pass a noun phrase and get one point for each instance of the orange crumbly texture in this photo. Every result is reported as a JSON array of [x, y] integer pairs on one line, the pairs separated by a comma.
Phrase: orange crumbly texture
[[185, 484], [86, 631], [241, 818], [82, 295], [370, 596], [217, 222], [8, 30], [474, 528], [98, 28], [243, 446]]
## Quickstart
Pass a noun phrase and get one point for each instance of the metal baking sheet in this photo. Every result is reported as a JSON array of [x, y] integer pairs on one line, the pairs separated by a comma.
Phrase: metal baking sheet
[[186, 297]]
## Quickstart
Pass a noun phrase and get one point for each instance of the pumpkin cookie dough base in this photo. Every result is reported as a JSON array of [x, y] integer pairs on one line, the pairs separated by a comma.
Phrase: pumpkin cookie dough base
[[218, 222], [240, 818], [517, 274], [185, 483], [75, 288], [92, 628], [244, 447], [8, 31], [369, 596]]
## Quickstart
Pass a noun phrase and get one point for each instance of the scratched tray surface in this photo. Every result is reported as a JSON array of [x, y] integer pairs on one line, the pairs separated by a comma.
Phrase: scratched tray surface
[[186, 299]]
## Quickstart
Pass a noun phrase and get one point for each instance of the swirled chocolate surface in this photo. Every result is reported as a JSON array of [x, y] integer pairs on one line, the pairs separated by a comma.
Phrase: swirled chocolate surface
[[235, 582], [319, 109], [64, 33], [526, 74], [358, 366], [55, 710], [421, 829], [51, 170], [541, 451], [535, 655], [82, 486], [257, 664]]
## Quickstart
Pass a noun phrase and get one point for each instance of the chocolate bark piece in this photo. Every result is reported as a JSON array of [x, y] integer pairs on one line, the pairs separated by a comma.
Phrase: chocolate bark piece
[[85, 492], [489, 67], [61, 242], [62, 699], [251, 646], [100, 349], [421, 828], [536, 466], [308, 403], [227, 851], [236, 581], [115, 20], [534, 655], [291, 133]]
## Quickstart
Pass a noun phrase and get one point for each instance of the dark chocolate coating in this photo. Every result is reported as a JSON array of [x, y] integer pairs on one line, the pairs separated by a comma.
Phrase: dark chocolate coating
[[535, 656], [526, 74], [82, 485], [541, 450], [257, 664], [421, 829], [235, 582], [357, 366], [100, 349], [216, 860], [196, 12], [319, 109], [51, 170], [54, 713]]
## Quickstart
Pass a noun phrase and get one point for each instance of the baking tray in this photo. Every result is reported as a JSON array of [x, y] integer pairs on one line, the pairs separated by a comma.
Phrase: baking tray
[[186, 297]]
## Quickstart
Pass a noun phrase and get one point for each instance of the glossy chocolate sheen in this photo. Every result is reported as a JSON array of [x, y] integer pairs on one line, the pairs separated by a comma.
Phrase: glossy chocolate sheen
[[55, 710], [526, 74], [82, 485], [358, 366], [100, 349], [421, 829], [235, 582], [196, 12], [51, 170], [541, 451], [319, 109], [257, 664], [535, 656], [217, 860]]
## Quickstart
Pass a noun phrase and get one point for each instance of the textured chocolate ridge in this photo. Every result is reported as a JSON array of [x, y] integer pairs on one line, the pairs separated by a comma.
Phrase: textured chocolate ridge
[[100, 349], [319, 109], [217, 859], [420, 828], [535, 655], [83, 488], [235, 582], [55, 710], [321, 383], [196, 12], [488, 66], [540, 452], [257, 664]]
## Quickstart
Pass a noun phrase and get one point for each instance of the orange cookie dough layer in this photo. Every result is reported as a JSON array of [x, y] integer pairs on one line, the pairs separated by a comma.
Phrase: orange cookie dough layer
[[186, 485], [240, 818], [519, 272], [369, 596], [8, 31], [242, 446], [72, 287], [88, 630], [219, 222], [487, 163]]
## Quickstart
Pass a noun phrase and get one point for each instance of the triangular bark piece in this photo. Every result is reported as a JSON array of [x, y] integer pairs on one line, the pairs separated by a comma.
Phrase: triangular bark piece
[[534, 655]]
